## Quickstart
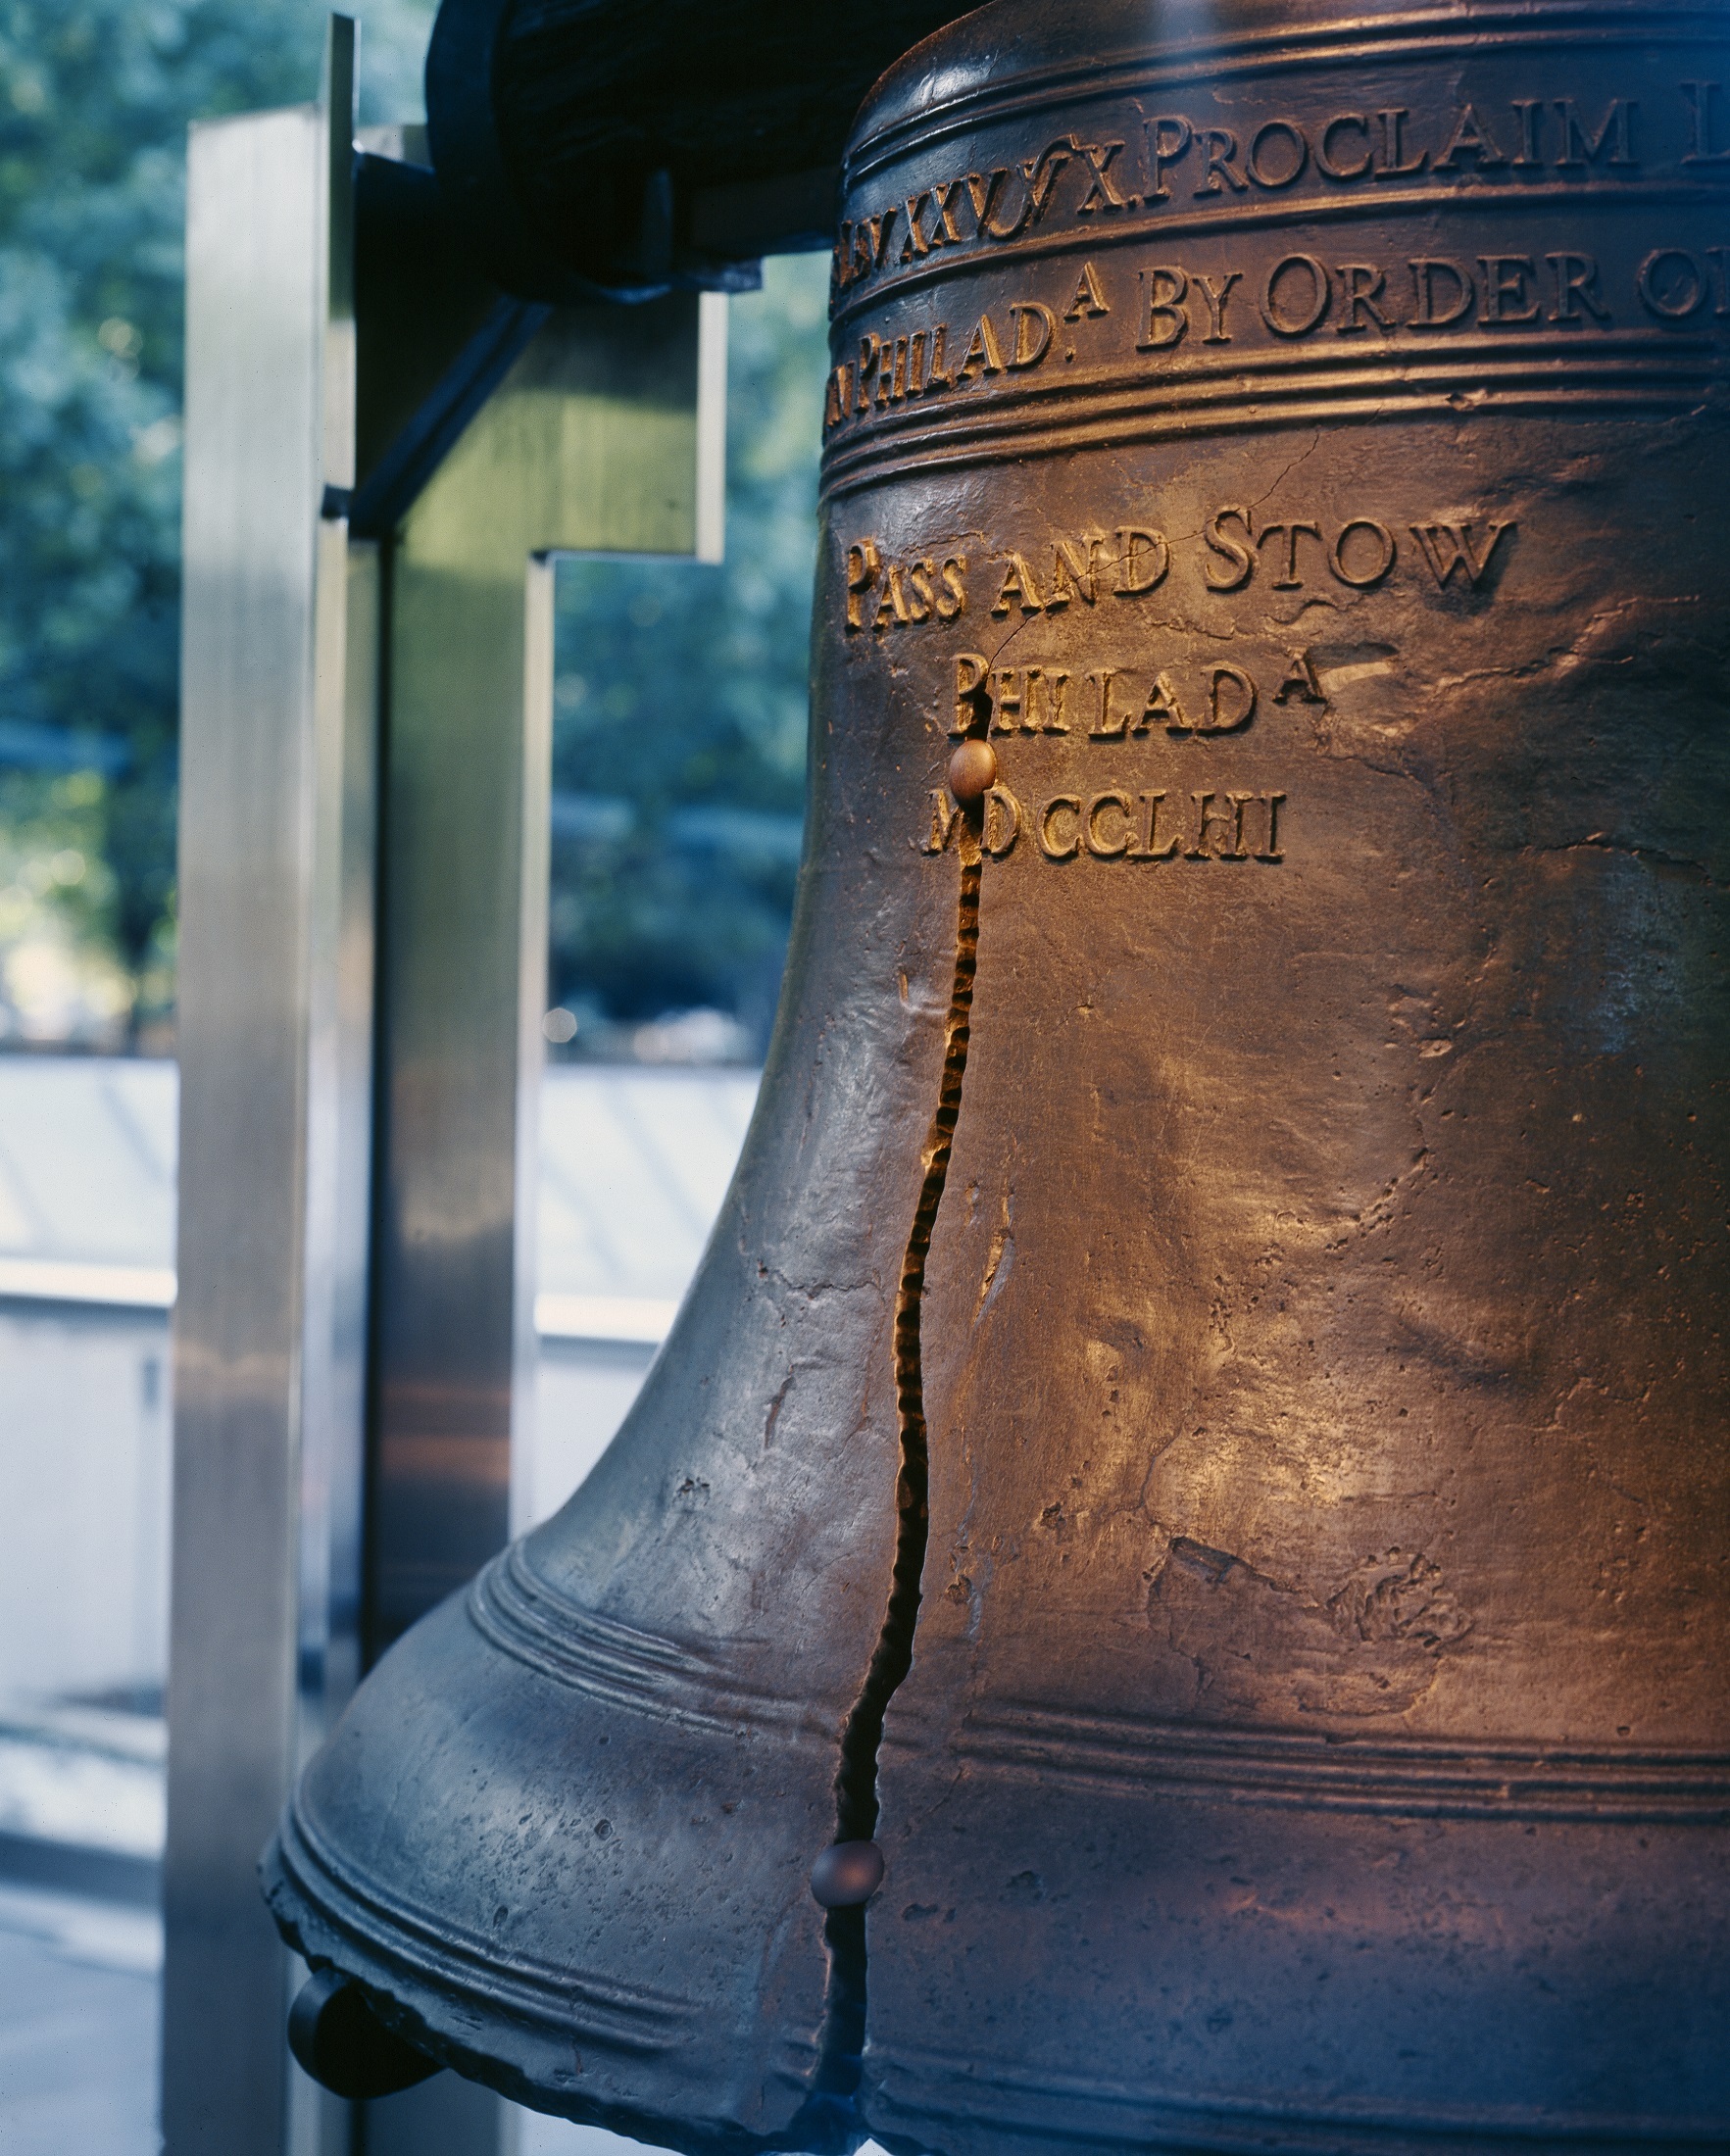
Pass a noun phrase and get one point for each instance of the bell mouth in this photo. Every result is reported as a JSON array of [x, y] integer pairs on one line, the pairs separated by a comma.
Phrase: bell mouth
[[668, 1814]]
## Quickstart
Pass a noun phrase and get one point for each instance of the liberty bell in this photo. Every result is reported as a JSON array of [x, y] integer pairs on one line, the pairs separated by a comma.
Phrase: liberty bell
[[1168, 1588]]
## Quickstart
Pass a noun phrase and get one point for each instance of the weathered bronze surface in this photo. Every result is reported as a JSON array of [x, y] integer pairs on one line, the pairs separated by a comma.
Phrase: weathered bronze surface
[[1202, 1427]]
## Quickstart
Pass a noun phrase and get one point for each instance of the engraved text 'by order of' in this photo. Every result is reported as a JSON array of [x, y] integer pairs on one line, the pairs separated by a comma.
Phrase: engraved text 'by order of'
[[1138, 316]]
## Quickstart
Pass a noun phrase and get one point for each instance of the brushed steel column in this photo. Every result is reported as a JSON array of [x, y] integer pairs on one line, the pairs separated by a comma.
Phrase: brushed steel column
[[605, 436], [365, 759], [277, 820]]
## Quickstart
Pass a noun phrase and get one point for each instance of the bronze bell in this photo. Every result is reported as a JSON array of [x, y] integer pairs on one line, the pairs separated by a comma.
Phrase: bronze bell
[[1199, 1437]]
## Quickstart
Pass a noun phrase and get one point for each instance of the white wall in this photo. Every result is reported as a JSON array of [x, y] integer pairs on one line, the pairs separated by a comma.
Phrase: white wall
[[84, 1500], [85, 1438]]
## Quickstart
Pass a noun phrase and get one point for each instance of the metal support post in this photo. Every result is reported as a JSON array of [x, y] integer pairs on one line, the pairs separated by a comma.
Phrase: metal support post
[[276, 815], [382, 455]]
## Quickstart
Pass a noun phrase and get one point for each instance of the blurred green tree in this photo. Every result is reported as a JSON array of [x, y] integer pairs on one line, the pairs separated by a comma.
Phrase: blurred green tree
[[680, 716], [95, 98]]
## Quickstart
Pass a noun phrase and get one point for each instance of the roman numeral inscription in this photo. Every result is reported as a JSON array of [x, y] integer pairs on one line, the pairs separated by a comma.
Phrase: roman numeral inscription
[[1122, 823], [1151, 164]]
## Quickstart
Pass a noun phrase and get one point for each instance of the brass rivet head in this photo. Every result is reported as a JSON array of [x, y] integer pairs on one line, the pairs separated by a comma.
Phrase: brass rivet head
[[972, 772]]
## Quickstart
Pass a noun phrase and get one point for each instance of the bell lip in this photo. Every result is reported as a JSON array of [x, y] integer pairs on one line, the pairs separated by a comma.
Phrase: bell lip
[[330, 1928]]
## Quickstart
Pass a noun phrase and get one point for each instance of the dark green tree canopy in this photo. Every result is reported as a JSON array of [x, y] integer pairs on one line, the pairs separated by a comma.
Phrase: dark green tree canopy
[[680, 740], [95, 99]]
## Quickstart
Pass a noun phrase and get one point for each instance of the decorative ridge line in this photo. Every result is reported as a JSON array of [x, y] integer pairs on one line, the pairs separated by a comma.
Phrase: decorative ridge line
[[1432, 1777], [377, 1922], [524, 1617], [1478, 2127], [1656, 354], [1347, 41], [1304, 211], [1215, 410]]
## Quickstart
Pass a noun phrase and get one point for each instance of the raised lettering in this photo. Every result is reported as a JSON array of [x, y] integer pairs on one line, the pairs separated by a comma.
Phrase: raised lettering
[[946, 198], [1290, 580], [1218, 721], [1505, 290], [1001, 825], [1424, 269], [1162, 708], [1035, 326], [1052, 690], [1089, 301], [1702, 133], [1105, 725], [1362, 284], [1164, 318], [1101, 193], [1019, 584], [1053, 848], [1299, 680], [1162, 151], [1389, 166], [916, 244], [870, 350], [1219, 542], [1097, 845], [864, 565], [1150, 849], [1217, 291], [1284, 169], [1451, 551], [945, 816], [1236, 850], [1469, 134], [1206, 819], [1576, 286], [984, 191], [1143, 557], [971, 706], [983, 355], [1074, 571], [1373, 560], [1580, 146], [892, 606], [1327, 159], [1671, 283], [1298, 324], [1218, 146], [1041, 174]]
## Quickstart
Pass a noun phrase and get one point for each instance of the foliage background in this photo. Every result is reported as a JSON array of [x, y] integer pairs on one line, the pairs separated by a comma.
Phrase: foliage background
[[678, 758], [95, 99], [682, 690]]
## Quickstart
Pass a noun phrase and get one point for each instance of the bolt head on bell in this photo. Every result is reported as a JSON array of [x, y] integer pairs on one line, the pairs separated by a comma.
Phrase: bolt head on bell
[[972, 772], [846, 1874]]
